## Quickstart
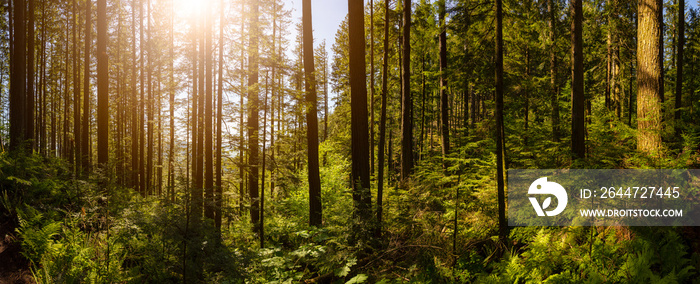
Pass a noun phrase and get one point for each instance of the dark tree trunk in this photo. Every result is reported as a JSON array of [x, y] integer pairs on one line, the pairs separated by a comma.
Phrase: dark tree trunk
[[219, 109], [315, 215], [502, 225], [208, 108], [135, 129], [241, 163], [85, 135], [371, 87], [253, 105], [358, 111], [30, 106], [18, 78], [679, 65], [171, 104], [77, 156], [406, 100], [444, 106], [578, 146], [102, 86], [382, 124], [149, 103]]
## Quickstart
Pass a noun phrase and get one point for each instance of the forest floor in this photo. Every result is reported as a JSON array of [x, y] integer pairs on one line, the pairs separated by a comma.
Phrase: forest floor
[[14, 268]]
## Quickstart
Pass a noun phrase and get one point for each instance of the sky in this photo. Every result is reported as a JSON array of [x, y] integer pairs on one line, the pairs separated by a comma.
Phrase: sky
[[326, 16]]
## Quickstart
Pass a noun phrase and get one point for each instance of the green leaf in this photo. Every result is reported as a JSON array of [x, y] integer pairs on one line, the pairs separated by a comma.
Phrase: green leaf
[[360, 278]]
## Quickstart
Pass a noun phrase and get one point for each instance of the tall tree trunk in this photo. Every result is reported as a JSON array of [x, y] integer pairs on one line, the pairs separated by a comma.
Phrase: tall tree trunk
[[406, 100], [219, 109], [502, 225], [102, 86], [76, 92], [171, 103], [119, 98], [149, 103], [648, 74], [371, 87], [444, 107], [421, 138], [142, 106], [241, 148], [201, 97], [85, 136], [578, 146], [30, 106], [253, 105], [362, 198], [679, 65], [315, 215], [18, 78], [135, 129], [195, 199], [552, 9], [382, 124], [262, 177], [660, 15], [272, 101], [208, 144]]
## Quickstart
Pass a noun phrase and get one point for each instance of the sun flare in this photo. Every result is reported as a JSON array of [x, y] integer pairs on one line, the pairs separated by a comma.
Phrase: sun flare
[[188, 8]]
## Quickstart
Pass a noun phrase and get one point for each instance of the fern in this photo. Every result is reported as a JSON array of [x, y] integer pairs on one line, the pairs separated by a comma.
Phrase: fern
[[36, 233]]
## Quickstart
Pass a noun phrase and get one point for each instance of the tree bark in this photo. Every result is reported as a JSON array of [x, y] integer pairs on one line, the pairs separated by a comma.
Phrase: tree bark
[[444, 107], [218, 197], [406, 100], [85, 135], [208, 117], [554, 85], [30, 106], [358, 112], [382, 124], [371, 87], [315, 208], [18, 78], [502, 225], [648, 74], [679, 65], [253, 105], [578, 146], [102, 86]]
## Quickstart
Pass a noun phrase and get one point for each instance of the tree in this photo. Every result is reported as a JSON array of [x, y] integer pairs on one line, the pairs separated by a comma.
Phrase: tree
[[85, 135], [500, 180], [371, 87], [219, 109], [315, 208], [358, 112], [102, 86], [578, 146], [406, 100], [208, 108], [30, 106], [648, 74], [253, 106], [382, 123], [76, 91], [551, 8], [679, 63], [18, 77], [444, 112], [135, 129]]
